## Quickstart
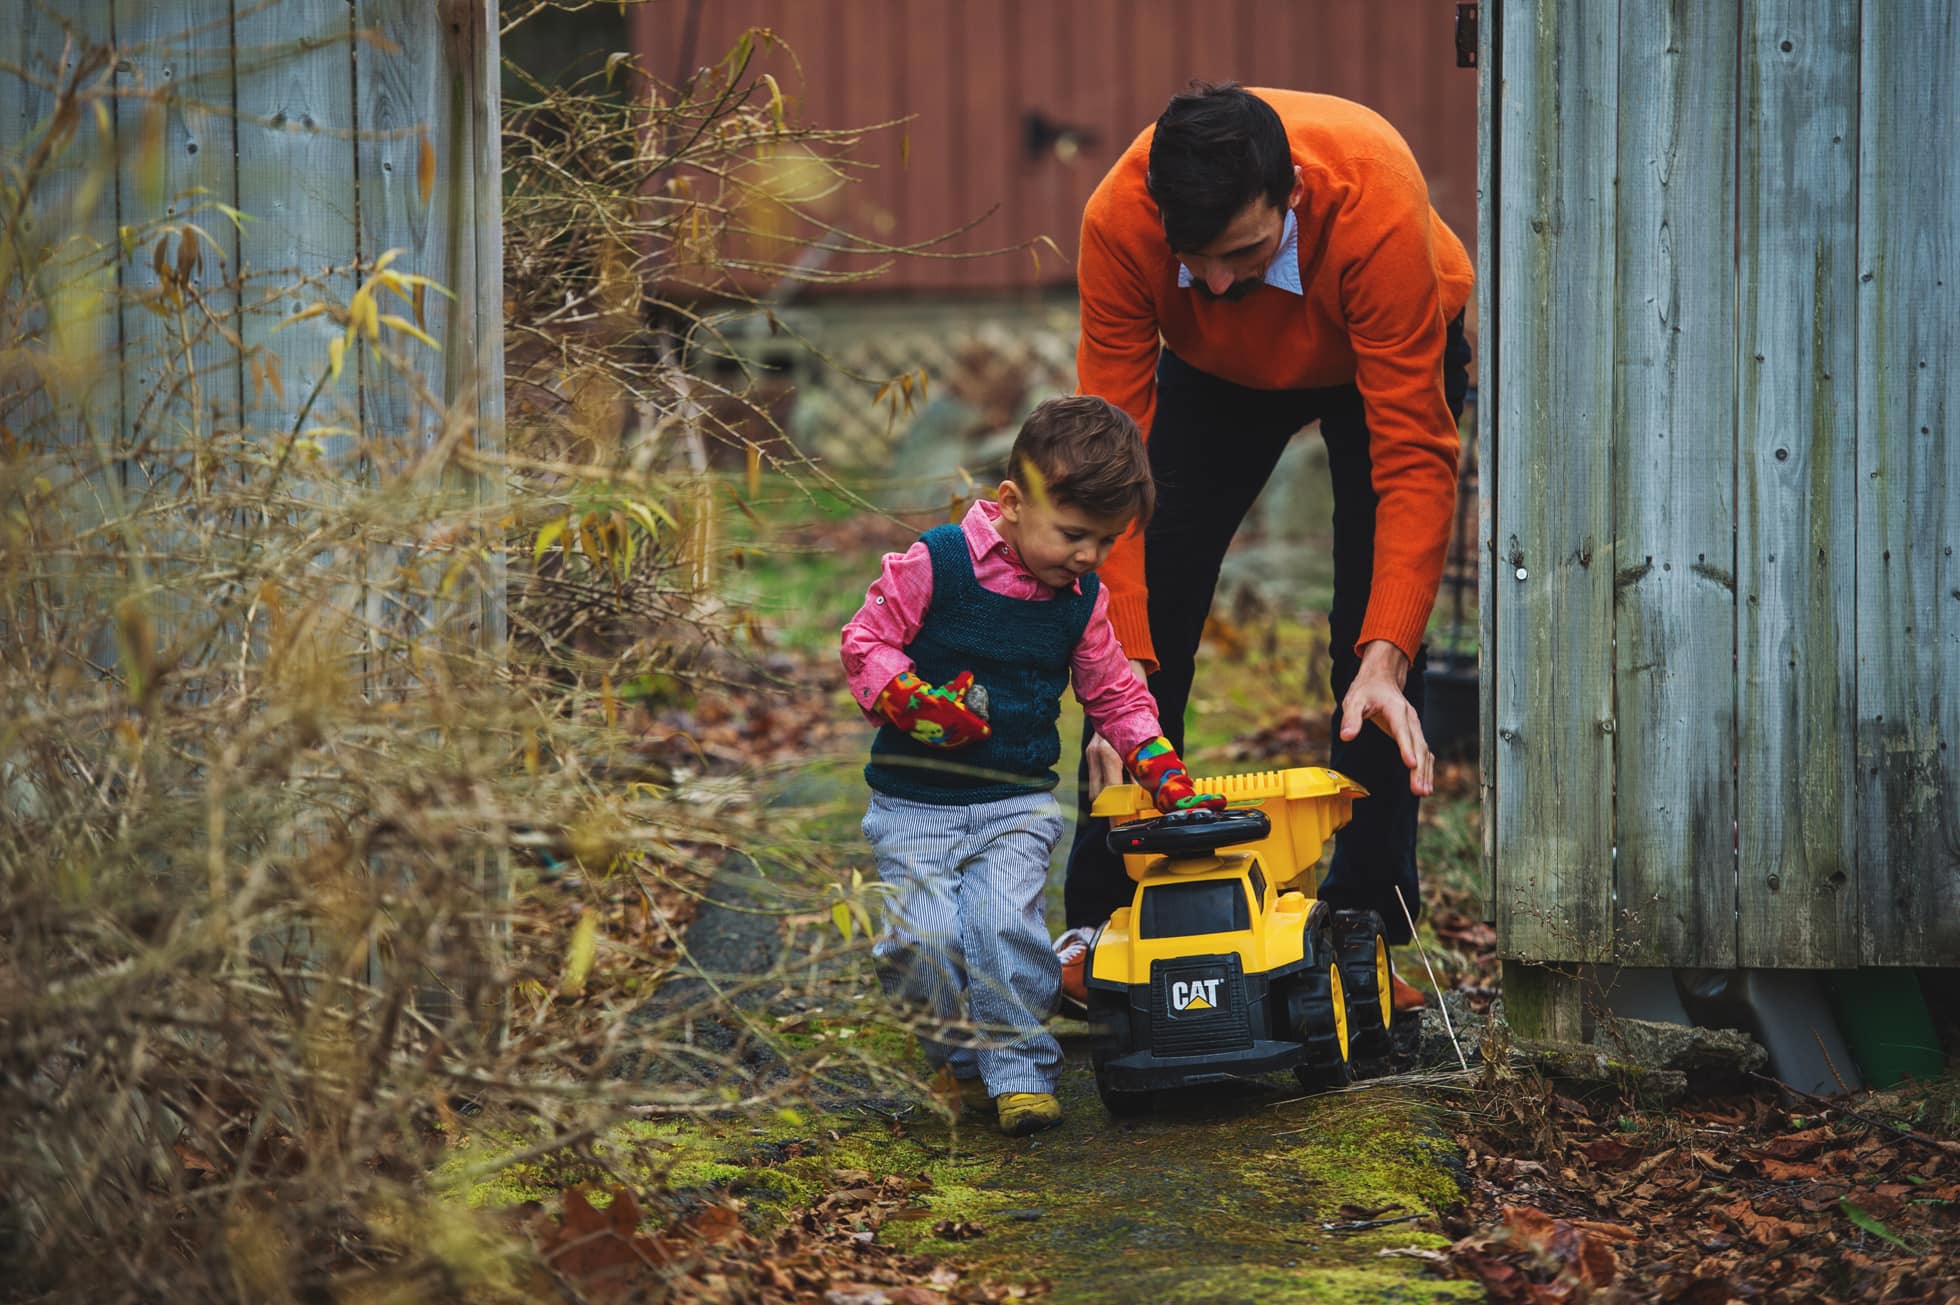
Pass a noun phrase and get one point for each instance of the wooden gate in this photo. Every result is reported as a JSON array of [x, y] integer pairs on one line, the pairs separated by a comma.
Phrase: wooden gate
[[1720, 248]]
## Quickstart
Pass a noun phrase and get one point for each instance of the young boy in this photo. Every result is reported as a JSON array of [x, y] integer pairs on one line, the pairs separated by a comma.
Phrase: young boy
[[961, 651]]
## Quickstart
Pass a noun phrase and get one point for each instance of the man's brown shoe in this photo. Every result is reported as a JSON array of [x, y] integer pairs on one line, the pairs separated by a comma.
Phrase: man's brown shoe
[[1406, 996], [1072, 950]]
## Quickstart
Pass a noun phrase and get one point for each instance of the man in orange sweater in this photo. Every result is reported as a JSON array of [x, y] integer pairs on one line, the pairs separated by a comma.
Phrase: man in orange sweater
[[1256, 261]]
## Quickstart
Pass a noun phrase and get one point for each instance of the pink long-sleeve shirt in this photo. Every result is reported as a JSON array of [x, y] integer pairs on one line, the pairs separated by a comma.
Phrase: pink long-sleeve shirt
[[1116, 702]]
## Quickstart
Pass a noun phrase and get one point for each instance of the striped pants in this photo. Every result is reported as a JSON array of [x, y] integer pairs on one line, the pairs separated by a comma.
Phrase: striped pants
[[965, 942]]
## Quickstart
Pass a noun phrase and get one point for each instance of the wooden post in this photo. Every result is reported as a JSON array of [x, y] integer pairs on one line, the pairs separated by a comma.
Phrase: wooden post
[[1908, 528], [1542, 1003], [1489, 431], [1796, 502], [1674, 489], [1553, 617]]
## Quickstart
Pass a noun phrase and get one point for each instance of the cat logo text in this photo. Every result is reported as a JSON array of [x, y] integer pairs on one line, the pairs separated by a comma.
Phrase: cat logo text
[[1195, 994]]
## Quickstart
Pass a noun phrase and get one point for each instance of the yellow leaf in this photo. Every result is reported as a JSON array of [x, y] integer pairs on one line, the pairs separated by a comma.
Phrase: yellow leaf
[[547, 535], [381, 263], [607, 702], [840, 915], [425, 168], [755, 470], [393, 282], [149, 153], [532, 761], [273, 378], [311, 310], [578, 957], [407, 327], [336, 354], [776, 102], [371, 318]]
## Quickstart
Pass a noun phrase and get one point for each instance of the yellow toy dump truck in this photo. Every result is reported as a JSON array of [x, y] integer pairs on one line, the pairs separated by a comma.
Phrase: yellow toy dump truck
[[1224, 964]]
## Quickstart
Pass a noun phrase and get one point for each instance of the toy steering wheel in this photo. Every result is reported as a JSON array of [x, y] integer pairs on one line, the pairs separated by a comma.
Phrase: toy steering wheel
[[1187, 833]]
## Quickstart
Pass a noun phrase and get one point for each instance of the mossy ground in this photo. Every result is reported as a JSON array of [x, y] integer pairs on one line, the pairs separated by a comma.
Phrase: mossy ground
[[1219, 1195]]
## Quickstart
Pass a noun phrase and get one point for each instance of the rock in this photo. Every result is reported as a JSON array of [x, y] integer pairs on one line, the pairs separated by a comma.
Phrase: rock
[[1436, 1051], [1655, 1045]]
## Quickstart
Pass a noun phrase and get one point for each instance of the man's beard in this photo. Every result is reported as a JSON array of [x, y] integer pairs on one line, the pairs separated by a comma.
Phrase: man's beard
[[1233, 292]]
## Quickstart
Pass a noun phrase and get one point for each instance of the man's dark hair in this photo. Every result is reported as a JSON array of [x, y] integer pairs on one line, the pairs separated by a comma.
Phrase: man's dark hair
[[1087, 453], [1216, 149]]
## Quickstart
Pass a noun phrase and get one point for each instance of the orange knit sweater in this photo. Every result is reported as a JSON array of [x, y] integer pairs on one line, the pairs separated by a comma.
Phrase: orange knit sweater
[[1383, 278]]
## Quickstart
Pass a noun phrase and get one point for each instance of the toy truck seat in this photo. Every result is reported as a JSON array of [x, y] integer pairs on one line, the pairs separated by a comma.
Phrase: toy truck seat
[[1304, 804]]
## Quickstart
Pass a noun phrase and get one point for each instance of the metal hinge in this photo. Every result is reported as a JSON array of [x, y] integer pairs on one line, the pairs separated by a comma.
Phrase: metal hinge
[[1466, 36]]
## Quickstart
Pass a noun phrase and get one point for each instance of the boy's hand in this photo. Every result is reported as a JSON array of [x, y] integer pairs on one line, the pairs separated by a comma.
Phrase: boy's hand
[[1158, 768], [936, 717]]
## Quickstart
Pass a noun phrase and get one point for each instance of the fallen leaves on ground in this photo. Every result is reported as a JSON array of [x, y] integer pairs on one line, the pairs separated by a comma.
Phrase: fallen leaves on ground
[[1744, 1199], [827, 1253]]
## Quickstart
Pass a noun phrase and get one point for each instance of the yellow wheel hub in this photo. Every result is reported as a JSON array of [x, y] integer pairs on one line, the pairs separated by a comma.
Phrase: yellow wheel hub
[[1382, 981], [1339, 996]]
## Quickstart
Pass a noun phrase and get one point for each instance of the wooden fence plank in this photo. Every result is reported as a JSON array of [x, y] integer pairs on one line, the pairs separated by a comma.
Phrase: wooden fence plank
[[1553, 595], [1489, 283], [181, 377], [1673, 489], [1908, 467], [403, 96], [296, 179], [66, 241], [178, 58], [1796, 549], [475, 351], [66, 220]]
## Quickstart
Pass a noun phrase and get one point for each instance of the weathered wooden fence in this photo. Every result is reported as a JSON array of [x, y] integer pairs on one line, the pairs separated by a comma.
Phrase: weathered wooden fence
[[1721, 300], [337, 130]]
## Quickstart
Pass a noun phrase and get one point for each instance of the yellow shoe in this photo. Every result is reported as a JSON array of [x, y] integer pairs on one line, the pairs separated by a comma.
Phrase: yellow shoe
[[1022, 1113]]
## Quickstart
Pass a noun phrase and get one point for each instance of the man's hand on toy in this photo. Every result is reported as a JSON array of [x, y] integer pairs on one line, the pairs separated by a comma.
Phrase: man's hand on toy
[[937, 717], [1159, 769], [1376, 696]]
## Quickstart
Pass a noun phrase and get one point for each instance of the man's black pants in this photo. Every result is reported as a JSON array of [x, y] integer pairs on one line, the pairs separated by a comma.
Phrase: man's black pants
[[1212, 447]]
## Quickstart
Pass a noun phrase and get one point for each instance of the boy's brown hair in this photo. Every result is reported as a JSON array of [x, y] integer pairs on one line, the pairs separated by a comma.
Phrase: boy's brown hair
[[1087, 453]]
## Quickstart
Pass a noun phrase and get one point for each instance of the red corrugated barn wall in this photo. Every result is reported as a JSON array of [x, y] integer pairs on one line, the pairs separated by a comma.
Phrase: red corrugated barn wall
[[989, 83]]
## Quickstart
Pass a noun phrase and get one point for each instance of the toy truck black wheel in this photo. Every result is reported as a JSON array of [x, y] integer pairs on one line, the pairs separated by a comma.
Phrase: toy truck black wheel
[[1120, 1102], [1362, 953], [1111, 1017], [1317, 1014]]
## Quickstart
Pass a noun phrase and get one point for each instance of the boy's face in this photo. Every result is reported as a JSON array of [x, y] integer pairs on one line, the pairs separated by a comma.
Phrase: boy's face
[[1059, 543]]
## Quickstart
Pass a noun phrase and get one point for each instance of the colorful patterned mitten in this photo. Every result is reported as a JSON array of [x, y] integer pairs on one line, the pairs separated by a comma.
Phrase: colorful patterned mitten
[[1157, 767], [938, 718]]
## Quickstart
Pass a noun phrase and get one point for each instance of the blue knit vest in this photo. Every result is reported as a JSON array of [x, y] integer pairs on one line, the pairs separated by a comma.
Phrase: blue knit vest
[[1019, 650]]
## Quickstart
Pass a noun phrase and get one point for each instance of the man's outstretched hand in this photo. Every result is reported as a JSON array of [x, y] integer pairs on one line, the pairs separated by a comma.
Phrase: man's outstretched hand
[[1377, 697]]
